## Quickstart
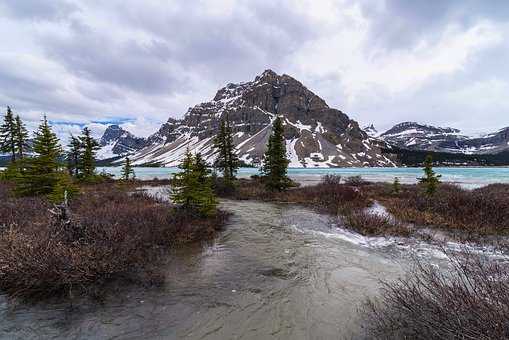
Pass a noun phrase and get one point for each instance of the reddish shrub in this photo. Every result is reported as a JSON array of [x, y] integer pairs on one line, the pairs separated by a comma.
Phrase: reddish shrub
[[469, 301], [110, 234]]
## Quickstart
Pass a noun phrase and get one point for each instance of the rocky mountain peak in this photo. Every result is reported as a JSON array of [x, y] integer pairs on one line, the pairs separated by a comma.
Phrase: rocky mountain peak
[[112, 132], [268, 76], [316, 134], [117, 141]]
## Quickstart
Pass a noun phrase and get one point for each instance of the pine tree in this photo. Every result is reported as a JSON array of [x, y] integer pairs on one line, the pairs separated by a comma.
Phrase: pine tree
[[192, 186], [207, 199], [73, 155], [127, 172], [42, 172], [275, 163], [8, 134], [21, 137], [227, 161], [430, 179], [200, 167], [396, 186], [86, 164]]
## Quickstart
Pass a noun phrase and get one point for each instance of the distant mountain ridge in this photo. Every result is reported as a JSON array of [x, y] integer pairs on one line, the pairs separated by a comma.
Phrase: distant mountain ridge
[[415, 136]]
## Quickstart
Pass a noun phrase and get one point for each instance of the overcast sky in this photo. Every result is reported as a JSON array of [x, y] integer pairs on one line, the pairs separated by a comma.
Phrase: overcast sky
[[139, 62]]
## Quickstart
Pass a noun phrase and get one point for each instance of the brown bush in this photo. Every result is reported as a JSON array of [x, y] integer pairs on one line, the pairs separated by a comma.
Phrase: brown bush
[[328, 196], [111, 234], [375, 224], [470, 301], [480, 211]]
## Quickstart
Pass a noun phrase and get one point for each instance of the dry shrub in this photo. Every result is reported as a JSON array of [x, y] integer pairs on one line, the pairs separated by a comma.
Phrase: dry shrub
[[328, 196], [111, 234], [375, 224], [480, 211], [471, 301], [356, 180]]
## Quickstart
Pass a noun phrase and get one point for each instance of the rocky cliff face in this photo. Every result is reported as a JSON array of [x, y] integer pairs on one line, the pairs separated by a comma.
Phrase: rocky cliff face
[[118, 142], [414, 136], [316, 135]]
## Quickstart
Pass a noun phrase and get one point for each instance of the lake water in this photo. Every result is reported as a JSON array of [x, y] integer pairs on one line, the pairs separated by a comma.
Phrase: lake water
[[466, 177]]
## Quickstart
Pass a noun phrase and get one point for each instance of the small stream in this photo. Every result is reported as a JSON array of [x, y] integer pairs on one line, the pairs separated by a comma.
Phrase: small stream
[[275, 272]]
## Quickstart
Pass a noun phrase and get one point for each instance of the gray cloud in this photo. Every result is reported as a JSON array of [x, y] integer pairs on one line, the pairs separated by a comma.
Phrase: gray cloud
[[83, 61], [40, 10]]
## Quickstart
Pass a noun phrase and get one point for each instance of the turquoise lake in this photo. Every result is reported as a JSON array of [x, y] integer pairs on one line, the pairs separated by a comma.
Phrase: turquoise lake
[[466, 177]]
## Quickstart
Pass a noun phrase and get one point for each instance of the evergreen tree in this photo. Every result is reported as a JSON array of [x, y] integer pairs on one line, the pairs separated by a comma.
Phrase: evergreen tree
[[275, 163], [430, 179], [127, 170], [396, 186], [8, 134], [200, 167], [227, 161], [73, 155], [41, 173], [192, 187], [21, 137], [86, 164]]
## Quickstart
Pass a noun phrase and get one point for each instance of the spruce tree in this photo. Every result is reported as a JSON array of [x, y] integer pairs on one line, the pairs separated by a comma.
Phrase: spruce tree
[[275, 163], [8, 134], [192, 186], [21, 137], [227, 161], [73, 155], [41, 173], [430, 179], [396, 186], [127, 172], [207, 199], [86, 164]]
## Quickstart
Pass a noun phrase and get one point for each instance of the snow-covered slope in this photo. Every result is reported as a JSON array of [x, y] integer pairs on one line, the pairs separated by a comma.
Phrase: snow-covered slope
[[415, 136], [316, 135]]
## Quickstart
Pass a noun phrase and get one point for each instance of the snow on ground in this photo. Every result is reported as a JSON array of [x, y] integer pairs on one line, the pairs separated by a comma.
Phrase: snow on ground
[[106, 151]]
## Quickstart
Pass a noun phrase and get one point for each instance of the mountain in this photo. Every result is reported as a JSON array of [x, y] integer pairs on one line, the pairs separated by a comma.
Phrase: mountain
[[118, 142], [316, 135], [415, 136], [371, 130], [492, 143]]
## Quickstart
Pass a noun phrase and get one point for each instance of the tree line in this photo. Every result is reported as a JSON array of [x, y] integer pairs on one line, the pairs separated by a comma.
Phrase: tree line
[[45, 169], [40, 166]]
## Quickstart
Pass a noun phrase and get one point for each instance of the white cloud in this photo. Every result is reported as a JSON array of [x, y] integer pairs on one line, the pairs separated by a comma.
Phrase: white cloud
[[141, 127], [360, 68]]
